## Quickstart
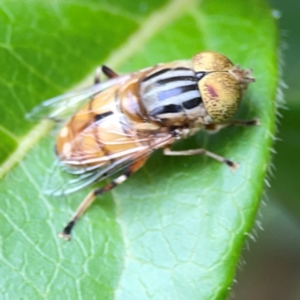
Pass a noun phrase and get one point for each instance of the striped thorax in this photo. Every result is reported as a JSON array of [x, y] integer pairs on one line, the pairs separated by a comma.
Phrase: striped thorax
[[171, 96], [194, 94]]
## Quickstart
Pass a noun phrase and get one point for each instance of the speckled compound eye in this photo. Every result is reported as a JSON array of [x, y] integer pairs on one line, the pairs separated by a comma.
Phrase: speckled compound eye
[[222, 86], [221, 94]]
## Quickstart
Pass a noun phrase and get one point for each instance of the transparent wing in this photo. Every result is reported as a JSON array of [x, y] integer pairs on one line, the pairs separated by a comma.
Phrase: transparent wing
[[64, 106], [64, 180]]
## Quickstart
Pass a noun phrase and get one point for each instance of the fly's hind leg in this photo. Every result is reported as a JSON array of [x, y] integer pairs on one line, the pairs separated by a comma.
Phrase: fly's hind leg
[[106, 71], [201, 151], [89, 199]]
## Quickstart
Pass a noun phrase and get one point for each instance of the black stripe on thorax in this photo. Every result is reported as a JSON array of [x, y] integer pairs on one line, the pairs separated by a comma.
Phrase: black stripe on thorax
[[156, 74], [99, 117], [192, 103], [165, 94], [174, 108], [182, 69], [171, 108], [160, 72], [177, 78]]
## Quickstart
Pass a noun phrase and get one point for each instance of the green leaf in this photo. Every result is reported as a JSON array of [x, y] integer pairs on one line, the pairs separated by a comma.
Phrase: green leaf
[[176, 228]]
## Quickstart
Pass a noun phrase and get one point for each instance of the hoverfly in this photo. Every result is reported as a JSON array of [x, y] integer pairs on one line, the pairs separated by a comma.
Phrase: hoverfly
[[116, 124]]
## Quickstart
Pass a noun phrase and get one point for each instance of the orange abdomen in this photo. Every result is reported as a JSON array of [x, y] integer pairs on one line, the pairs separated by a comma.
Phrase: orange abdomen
[[102, 130]]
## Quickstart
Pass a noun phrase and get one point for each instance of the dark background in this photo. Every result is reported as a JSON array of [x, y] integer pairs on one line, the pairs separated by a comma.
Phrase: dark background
[[270, 268]]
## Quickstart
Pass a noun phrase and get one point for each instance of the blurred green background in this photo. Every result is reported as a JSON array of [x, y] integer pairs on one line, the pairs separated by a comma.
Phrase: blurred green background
[[272, 266]]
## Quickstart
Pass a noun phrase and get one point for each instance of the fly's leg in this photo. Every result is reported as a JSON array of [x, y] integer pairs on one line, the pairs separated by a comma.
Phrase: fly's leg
[[109, 72], [221, 159], [253, 122], [106, 71], [89, 199], [216, 127]]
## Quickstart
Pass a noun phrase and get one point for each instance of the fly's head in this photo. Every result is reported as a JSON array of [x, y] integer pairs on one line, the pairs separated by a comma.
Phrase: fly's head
[[221, 84]]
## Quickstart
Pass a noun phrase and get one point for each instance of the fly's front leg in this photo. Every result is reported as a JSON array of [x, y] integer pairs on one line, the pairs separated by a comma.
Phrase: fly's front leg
[[89, 199], [106, 71], [231, 164], [246, 123], [216, 127]]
